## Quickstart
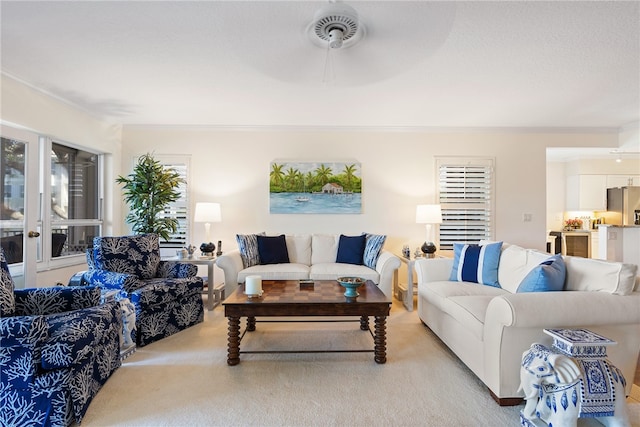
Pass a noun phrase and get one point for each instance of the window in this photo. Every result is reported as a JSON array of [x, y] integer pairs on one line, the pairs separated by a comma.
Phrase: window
[[12, 210], [466, 196], [67, 212], [75, 195], [180, 208]]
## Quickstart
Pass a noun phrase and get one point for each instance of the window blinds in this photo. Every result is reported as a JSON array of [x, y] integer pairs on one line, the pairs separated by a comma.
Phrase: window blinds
[[465, 193], [180, 208]]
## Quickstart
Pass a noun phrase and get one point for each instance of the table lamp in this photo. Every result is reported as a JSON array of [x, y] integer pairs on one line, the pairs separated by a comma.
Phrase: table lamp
[[429, 215], [207, 213]]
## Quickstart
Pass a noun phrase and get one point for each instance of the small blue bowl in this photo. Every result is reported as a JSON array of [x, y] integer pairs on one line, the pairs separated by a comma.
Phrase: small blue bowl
[[351, 284]]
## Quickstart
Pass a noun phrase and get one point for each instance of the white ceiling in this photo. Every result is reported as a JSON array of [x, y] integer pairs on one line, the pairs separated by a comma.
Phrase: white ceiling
[[419, 64]]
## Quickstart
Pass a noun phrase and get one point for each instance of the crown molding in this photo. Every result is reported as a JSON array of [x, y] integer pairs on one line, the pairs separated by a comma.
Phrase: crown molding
[[390, 129]]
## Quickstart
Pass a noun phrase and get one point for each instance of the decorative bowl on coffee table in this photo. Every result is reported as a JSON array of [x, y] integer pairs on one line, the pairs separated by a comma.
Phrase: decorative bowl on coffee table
[[351, 284]]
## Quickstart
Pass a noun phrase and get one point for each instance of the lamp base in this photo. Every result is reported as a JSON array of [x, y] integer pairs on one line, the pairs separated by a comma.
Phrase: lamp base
[[207, 248], [428, 248]]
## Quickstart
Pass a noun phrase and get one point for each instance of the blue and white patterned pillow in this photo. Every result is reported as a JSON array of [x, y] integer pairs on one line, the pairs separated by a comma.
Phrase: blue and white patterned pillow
[[372, 249], [248, 245], [7, 296], [475, 263]]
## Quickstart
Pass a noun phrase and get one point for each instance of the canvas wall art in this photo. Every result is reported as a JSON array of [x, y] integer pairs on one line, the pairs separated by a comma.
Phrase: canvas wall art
[[315, 188]]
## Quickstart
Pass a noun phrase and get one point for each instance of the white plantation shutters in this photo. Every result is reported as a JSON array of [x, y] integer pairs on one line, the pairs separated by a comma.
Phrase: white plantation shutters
[[466, 195], [180, 208]]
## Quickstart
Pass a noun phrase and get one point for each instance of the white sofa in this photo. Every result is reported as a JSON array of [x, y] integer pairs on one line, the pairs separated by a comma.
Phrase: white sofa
[[489, 328], [310, 257]]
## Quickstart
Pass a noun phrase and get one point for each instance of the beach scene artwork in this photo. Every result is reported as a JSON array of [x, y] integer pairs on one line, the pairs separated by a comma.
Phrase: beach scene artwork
[[315, 188]]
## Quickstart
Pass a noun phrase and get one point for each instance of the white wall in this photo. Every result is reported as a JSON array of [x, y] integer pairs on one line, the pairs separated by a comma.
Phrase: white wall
[[629, 138], [232, 167], [556, 195], [26, 108]]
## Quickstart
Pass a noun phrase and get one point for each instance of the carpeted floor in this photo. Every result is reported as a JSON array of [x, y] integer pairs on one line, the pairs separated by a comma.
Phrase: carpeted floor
[[184, 380]]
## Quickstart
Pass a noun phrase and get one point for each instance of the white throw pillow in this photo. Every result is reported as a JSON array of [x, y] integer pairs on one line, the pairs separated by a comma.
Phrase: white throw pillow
[[299, 248], [586, 274], [324, 248]]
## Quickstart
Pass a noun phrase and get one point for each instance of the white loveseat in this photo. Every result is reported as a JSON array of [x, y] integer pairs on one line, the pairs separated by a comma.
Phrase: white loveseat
[[489, 328], [310, 257]]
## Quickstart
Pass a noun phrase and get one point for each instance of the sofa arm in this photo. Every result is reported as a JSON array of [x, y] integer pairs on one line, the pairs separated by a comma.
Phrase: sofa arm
[[111, 280], [57, 299], [386, 266], [433, 269], [515, 321], [22, 337], [75, 335], [558, 309], [176, 270], [231, 265]]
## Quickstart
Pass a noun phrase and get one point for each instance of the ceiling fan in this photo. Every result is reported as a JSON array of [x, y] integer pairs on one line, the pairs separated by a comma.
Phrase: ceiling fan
[[367, 43]]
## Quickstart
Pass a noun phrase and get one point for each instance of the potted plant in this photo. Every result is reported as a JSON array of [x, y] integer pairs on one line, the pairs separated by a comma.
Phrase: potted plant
[[148, 191]]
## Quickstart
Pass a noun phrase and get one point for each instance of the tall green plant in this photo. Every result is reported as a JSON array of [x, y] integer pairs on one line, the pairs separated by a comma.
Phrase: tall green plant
[[148, 191]]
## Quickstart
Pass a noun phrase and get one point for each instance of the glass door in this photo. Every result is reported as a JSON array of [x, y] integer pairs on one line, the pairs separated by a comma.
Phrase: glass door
[[19, 232]]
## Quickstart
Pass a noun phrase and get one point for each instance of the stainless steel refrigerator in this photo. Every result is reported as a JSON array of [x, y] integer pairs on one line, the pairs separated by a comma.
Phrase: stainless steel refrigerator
[[623, 206]]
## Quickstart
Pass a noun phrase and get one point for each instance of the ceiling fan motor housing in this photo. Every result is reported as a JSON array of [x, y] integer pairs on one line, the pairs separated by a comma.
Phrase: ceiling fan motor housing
[[336, 24]]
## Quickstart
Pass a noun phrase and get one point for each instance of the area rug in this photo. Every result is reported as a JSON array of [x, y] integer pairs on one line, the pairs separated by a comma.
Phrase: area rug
[[184, 380]]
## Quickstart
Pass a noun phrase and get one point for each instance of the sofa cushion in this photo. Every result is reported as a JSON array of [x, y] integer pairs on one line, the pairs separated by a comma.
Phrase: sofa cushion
[[475, 263], [324, 248], [272, 249], [351, 249], [138, 255], [299, 249], [547, 276], [288, 271], [248, 246], [374, 245], [333, 270], [469, 310], [585, 274], [437, 292]]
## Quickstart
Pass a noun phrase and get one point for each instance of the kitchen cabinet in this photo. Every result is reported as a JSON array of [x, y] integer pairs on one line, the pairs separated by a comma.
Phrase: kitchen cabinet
[[622, 180], [586, 193]]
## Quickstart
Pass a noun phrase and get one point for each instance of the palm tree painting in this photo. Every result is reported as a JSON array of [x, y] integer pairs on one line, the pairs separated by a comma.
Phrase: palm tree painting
[[315, 188]]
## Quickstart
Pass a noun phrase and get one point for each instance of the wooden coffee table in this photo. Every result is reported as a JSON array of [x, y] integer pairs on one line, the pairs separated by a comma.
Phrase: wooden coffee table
[[284, 298]]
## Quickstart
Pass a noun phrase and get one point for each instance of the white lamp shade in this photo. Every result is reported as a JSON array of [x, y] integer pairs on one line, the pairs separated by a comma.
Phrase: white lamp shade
[[207, 212], [428, 214]]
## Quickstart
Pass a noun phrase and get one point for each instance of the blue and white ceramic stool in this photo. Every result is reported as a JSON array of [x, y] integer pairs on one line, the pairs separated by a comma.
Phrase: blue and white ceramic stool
[[573, 379]]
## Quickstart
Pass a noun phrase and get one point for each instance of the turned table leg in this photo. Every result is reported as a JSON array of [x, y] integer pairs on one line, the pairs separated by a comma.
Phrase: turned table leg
[[233, 349], [364, 323], [251, 323], [380, 339]]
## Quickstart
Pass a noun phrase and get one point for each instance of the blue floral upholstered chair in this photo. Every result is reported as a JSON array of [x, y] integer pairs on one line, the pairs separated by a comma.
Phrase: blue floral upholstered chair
[[59, 346], [167, 295]]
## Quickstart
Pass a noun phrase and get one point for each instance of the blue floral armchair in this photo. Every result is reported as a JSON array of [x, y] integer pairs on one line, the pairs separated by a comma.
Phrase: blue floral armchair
[[167, 295], [59, 346]]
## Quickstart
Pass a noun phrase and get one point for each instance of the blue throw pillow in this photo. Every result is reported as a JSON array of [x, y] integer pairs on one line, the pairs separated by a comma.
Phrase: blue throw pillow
[[273, 249], [546, 277], [248, 246], [372, 249], [351, 249], [478, 264]]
